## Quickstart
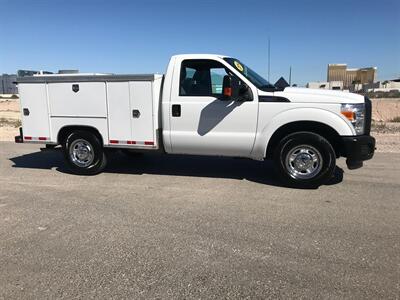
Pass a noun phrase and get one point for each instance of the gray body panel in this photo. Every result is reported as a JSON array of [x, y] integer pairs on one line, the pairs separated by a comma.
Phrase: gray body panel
[[86, 78]]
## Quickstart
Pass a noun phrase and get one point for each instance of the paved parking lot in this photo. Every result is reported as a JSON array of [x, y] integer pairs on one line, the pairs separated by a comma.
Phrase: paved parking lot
[[193, 227]]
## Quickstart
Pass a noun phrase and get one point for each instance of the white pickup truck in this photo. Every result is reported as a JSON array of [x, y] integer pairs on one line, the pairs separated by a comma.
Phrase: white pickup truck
[[204, 105]]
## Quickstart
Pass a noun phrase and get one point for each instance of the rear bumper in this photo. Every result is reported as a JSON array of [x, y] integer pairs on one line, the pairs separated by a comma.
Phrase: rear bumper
[[19, 138], [357, 149]]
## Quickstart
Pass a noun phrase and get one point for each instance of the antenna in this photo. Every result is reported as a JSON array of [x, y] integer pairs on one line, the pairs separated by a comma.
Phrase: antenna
[[290, 75], [269, 57]]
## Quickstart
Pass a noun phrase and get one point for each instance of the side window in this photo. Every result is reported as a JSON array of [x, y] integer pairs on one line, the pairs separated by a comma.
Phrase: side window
[[200, 77]]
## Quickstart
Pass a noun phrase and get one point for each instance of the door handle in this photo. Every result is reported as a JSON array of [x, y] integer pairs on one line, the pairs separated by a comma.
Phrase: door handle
[[176, 110]]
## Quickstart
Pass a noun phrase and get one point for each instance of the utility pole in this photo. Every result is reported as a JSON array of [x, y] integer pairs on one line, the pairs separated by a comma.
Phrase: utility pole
[[290, 75], [269, 58]]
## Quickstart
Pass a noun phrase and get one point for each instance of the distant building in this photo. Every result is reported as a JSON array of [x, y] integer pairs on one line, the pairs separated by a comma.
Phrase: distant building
[[68, 71], [333, 85], [349, 77], [7, 85], [339, 77], [22, 73], [382, 86]]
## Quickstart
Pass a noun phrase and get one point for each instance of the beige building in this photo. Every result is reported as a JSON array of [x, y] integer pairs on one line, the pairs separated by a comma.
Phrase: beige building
[[340, 72]]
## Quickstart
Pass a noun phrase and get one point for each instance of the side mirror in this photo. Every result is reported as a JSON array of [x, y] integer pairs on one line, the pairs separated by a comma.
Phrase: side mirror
[[229, 88], [245, 93], [233, 89]]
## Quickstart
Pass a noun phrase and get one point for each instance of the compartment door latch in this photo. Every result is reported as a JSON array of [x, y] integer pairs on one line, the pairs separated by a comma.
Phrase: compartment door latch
[[135, 113]]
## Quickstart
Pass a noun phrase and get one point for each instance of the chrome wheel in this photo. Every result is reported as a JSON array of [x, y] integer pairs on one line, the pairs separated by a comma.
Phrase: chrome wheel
[[81, 153], [303, 162]]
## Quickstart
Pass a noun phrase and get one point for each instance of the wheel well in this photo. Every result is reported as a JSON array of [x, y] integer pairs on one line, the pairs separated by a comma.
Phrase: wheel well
[[316, 127], [67, 130]]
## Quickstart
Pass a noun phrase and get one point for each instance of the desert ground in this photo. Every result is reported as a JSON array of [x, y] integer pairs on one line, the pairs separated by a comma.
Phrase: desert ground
[[384, 112]]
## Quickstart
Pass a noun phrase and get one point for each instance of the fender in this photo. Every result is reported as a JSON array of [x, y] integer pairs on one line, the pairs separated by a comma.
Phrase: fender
[[326, 117], [96, 124]]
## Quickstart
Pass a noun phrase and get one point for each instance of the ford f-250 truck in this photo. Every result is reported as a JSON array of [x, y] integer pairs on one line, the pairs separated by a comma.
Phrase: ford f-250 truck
[[203, 105]]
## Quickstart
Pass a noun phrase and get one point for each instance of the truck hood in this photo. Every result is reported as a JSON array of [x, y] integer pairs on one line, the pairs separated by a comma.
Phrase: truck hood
[[305, 95]]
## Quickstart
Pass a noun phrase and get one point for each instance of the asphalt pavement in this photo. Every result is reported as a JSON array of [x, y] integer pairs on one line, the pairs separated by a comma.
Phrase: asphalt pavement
[[173, 227]]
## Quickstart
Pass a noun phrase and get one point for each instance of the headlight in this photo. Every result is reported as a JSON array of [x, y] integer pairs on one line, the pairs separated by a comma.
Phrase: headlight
[[355, 113]]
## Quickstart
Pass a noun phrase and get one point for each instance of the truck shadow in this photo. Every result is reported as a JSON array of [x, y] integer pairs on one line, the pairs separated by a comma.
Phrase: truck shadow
[[174, 165], [214, 113]]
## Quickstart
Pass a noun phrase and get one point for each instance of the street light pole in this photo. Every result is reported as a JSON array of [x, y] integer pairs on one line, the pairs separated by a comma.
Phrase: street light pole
[[269, 58]]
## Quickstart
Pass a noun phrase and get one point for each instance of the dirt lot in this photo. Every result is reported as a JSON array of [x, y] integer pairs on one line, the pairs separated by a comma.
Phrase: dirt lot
[[386, 133], [385, 109], [9, 119]]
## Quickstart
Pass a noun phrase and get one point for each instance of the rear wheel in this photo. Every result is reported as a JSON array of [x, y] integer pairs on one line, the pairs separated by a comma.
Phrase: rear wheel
[[84, 153], [305, 159]]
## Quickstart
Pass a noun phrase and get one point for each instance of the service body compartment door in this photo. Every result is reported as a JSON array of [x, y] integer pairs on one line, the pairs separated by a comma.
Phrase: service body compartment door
[[119, 112], [130, 114], [79, 99], [141, 100], [34, 111]]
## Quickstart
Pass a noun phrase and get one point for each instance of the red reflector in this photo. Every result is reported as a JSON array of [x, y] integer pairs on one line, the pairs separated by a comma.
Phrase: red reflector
[[27, 137], [149, 143], [42, 138], [131, 142], [228, 92], [113, 142]]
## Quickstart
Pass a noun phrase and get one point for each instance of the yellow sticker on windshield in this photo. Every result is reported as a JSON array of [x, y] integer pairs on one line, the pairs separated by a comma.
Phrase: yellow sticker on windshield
[[238, 66]]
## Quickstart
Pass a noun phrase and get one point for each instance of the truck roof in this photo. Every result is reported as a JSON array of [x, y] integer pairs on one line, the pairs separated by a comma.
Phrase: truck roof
[[200, 56]]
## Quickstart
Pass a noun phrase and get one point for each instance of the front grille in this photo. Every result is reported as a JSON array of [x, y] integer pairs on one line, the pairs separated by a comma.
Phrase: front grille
[[368, 114]]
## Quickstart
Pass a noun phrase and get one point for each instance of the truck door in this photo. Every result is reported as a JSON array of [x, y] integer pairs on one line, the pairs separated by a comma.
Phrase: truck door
[[200, 122]]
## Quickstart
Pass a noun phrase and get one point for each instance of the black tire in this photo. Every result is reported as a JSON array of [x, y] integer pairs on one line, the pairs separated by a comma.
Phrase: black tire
[[314, 160], [95, 160]]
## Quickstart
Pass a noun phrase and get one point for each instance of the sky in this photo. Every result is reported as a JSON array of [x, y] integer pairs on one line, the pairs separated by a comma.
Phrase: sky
[[139, 36]]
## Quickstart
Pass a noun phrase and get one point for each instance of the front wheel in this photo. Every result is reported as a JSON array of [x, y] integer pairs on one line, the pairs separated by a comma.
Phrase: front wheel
[[84, 153], [305, 159]]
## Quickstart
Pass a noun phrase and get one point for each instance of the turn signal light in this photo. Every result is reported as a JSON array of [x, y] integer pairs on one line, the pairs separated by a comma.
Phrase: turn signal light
[[351, 116]]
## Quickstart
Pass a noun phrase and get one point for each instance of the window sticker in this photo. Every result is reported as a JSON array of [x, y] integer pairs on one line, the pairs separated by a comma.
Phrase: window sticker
[[238, 66]]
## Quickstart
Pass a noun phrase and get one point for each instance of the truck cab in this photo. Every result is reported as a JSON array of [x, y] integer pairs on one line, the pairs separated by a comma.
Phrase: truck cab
[[204, 105]]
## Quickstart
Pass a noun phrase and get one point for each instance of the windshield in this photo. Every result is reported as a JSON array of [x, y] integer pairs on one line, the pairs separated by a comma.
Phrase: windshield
[[254, 78]]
